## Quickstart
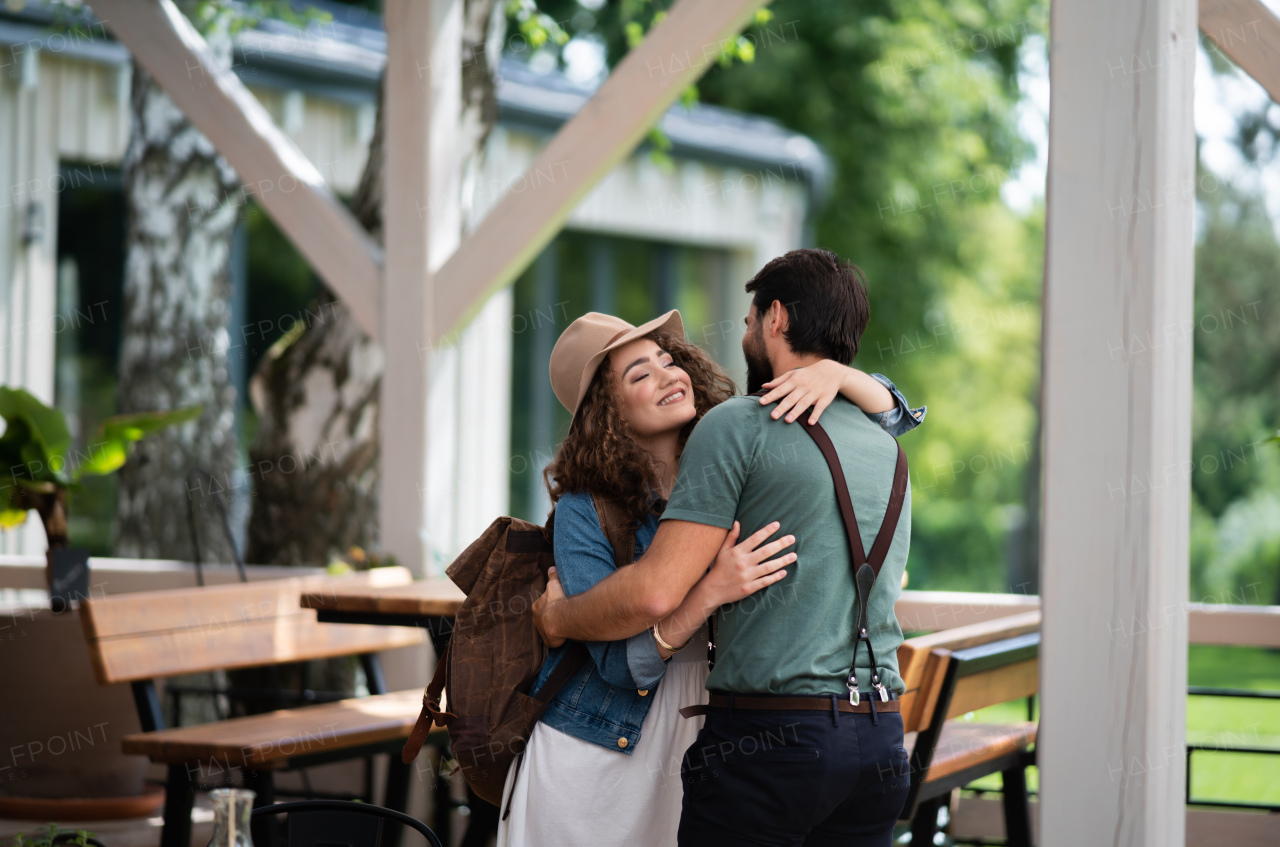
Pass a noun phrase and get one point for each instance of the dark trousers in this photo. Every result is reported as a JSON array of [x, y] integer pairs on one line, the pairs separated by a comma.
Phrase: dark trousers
[[794, 778]]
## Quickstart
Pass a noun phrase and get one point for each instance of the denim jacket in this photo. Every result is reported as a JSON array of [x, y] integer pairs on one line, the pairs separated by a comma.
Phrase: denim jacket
[[901, 419], [605, 702]]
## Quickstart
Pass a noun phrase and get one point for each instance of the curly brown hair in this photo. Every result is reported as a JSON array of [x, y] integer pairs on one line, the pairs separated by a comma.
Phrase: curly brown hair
[[601, 455]]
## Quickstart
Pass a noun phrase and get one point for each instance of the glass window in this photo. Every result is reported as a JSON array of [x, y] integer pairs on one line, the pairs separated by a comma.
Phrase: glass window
[[91, 245]]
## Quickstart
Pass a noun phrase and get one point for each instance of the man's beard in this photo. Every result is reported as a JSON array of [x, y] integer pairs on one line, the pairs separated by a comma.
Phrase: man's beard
[[759, 371]]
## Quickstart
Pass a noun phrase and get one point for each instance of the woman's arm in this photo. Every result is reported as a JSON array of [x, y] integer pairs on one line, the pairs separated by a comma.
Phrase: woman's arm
[[901, 419], [818, 384]]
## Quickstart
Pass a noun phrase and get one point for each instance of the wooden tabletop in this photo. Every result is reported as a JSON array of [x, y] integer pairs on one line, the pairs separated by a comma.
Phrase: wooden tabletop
[[394, 596]]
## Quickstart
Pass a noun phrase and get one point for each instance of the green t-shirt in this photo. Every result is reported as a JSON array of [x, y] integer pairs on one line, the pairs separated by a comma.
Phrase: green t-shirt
[[796, 636]]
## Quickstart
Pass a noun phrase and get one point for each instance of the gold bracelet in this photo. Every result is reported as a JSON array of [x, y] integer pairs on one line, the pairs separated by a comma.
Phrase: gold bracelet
[[664, 645]]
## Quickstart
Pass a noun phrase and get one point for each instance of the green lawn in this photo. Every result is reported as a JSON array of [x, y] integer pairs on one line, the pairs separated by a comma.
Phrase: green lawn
[[1222, 722]]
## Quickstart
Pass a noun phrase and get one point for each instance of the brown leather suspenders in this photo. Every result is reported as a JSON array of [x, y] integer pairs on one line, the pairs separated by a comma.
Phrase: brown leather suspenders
[[865, 568]]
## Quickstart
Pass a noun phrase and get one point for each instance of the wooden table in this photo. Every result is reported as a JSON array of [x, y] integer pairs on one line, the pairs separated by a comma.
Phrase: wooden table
[[393, 602], [429, 604]]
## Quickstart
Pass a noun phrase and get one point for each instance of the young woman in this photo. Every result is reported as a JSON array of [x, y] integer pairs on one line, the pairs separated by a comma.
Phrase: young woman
[[603, 765]]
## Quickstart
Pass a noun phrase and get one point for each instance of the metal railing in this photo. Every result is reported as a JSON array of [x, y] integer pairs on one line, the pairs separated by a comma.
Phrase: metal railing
[[1205, 691]]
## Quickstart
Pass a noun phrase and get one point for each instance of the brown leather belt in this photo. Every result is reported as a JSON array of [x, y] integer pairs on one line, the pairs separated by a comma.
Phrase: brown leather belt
[[791, 704]]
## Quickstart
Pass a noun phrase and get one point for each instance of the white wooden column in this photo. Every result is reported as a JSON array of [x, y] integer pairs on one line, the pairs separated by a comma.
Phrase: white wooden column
[[1117, 406], [421, 223]]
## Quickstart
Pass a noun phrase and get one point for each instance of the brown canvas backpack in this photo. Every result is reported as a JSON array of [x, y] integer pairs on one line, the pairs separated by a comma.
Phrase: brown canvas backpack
[[495, 652]]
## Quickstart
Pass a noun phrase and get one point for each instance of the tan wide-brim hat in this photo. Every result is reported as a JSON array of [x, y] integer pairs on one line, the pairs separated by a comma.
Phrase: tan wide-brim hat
[[583, 346]]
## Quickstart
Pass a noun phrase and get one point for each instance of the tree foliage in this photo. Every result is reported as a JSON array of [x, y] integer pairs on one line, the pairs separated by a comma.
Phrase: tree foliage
[[1235, 471]]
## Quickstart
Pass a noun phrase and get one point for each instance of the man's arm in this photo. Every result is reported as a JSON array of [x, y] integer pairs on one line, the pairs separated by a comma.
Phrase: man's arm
[[636, 597]]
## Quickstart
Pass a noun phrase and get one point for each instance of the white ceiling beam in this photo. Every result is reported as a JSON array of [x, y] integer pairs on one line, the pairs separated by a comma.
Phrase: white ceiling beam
[[269, 164], [588, 146], [1249, 33]]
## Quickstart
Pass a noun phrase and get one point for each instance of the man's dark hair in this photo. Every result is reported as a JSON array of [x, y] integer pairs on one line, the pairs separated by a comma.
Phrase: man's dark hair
[[825, 298]]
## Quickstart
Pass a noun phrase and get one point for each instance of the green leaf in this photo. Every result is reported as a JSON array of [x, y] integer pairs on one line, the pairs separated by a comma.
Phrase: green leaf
[[36, 438], [110, 448], [635, 34], [9, 518], [660, 145], [105, 457], [659, 139]]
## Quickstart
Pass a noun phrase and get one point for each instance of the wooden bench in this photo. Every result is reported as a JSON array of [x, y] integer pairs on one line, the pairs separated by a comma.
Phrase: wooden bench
[[951, 673], [139, 638]]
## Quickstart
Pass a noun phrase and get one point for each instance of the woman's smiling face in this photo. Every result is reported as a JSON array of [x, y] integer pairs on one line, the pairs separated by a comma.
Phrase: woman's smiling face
[[654, 394]]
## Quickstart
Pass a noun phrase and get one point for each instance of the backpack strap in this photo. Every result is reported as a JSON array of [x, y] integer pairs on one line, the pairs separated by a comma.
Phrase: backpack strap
[[619, 529], [865, 568], [431, 712]]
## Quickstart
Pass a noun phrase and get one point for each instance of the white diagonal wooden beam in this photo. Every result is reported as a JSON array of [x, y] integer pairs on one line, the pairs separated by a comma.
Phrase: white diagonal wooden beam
[[602, 134], [1249, 33], [269, 164]]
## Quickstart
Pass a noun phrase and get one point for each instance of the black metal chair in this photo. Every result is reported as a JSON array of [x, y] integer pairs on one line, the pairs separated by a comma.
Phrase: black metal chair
[[333, 823]]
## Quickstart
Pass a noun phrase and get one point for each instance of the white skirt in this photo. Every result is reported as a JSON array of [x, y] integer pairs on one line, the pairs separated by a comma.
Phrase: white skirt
[[572, 793]]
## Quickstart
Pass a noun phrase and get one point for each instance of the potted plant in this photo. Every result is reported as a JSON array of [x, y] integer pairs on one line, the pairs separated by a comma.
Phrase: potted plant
[[63, 761], [36, 450]]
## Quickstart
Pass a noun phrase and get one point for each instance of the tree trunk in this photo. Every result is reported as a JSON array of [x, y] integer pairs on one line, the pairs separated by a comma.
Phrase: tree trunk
[[316, 456], [184, 201]]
